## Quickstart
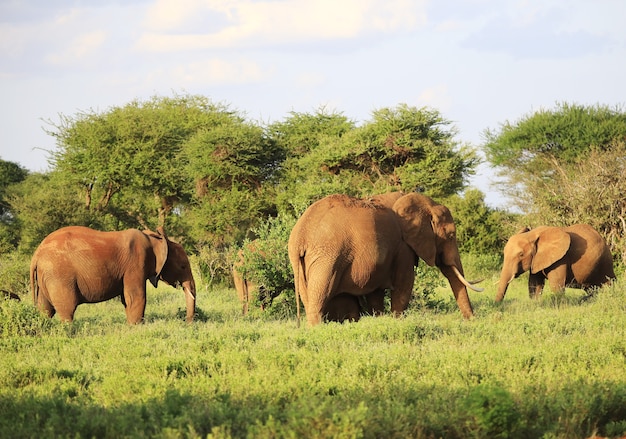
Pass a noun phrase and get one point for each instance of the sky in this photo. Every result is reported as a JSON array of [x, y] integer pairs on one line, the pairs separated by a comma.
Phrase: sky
[[480, 63]]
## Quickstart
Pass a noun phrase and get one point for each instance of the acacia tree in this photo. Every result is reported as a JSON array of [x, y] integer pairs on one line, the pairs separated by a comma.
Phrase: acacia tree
[[131, 156], [566, 166], [400, 148]]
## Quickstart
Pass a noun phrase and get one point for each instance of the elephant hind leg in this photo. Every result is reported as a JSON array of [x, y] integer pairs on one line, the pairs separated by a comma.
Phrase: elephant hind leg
[[45, 306], [66, 313]]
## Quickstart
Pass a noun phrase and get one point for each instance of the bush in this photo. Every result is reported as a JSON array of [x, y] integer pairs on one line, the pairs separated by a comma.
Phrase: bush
[[19, 319], [491, 412], [14, 273]]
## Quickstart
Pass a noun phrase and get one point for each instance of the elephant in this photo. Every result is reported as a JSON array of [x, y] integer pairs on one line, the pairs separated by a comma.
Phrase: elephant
[[75, 265], [343, 307], [575, 256], [343, 244], [247, 289]]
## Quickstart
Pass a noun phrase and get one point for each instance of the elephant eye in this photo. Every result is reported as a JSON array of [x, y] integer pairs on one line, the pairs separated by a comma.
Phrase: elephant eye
[[521, 254]]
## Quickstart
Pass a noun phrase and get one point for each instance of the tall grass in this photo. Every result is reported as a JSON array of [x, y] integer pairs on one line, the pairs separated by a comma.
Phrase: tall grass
[[551, 368]]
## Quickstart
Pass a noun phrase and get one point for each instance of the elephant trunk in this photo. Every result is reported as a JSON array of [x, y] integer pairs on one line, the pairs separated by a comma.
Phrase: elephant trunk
[[505, 280], [189, 288], [458, 288]]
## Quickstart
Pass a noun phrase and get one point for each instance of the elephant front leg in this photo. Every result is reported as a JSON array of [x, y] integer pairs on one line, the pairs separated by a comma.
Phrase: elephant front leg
[[557, 278], [535, 285], [135, 303]]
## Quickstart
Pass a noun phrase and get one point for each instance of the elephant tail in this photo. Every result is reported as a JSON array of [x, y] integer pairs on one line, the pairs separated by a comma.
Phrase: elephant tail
[[34, 284], [300, 283]]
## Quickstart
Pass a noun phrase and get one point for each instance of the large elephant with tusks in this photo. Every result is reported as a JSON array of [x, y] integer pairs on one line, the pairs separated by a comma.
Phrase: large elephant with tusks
[[363, 247]]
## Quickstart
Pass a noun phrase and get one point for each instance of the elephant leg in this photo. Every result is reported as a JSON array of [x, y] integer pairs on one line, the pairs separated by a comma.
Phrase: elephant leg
[[535, 284], [66, 312], [403, 283], [135, 305], [45, 306], [557, 279], [376, 302], [60, 298]]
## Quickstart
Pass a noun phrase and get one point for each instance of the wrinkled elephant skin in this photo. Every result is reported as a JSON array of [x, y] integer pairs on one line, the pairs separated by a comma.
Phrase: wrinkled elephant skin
[[75, 265]]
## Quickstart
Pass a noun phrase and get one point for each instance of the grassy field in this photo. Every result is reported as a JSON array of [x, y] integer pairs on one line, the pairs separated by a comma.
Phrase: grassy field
[[552, 368]]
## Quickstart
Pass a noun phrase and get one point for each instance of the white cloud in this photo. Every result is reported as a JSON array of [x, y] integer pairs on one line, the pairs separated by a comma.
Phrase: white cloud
[[229, 23], [218, 71], [81, 47], [435, 97]]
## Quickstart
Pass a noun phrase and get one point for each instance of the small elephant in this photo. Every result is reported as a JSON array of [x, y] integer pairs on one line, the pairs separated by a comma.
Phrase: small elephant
[[75, 265], [248, 290], [362, 247], [343, 307], [575, 256]]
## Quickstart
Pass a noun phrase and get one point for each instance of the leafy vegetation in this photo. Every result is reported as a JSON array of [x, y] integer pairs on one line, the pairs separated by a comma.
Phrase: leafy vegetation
[[551, 368]]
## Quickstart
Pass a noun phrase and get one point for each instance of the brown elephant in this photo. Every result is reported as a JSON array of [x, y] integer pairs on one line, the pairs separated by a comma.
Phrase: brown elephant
[[344, 307], [246, 289], [575, 256], [361, 247], [75, 265]]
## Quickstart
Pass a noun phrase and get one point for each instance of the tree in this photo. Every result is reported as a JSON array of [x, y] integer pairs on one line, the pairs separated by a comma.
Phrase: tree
[[10, 174], [135, 150], [43, 203], [480, 228], [400, 148], [566, 166]]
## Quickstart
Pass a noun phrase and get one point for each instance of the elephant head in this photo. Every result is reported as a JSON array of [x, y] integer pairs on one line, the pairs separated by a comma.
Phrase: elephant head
[[428, 228], [533, 250], [173, 267]]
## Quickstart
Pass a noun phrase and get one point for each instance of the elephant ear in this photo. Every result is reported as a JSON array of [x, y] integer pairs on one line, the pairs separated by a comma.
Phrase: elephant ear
[[159, 243], [416, 222], [552, 244]]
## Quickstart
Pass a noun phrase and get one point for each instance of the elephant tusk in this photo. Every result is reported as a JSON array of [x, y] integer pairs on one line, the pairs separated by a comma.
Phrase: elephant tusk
[[188, 293], [507, 282], [464, 281], [474, 282]]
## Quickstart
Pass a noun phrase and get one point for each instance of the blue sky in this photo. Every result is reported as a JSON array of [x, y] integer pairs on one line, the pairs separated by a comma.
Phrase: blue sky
[[479, 62]]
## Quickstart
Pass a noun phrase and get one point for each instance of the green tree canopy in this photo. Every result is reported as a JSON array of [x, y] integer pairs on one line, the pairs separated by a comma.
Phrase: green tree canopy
[[400, 148], [135, 149], [529, 148]]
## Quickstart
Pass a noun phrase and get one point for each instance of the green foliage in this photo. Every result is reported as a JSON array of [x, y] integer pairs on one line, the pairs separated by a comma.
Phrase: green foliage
[[10, 174], [479, 228], [21, 318], [43, 203], [520, 369], [491, 412], [412, 148], [400, 148], [14, 273], [265, 261], [566, 133]]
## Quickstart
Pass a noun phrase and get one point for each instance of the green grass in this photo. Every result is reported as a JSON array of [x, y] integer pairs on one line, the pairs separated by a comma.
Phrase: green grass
[[551, 368]]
